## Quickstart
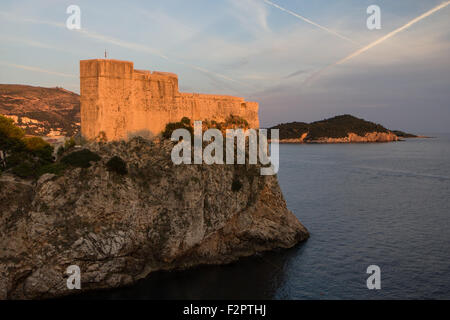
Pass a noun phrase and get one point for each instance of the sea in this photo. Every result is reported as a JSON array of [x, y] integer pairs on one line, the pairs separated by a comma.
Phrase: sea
[[379, 204]]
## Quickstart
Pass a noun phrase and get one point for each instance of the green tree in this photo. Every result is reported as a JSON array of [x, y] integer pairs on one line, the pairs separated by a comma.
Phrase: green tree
[[9, 129], [23, 155]]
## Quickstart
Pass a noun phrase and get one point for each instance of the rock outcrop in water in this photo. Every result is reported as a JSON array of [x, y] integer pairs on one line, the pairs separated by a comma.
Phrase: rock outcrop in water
[[350, 138], [119, 228]]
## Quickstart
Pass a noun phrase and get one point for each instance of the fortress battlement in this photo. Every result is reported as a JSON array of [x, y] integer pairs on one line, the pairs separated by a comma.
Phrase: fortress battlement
[[119, 102], [210, 96]]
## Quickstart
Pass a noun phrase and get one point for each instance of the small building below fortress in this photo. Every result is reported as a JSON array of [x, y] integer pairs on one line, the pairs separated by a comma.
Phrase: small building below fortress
[[119, 102]]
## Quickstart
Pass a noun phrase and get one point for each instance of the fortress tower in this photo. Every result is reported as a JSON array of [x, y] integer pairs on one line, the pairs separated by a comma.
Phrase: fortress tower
[[119, 102]]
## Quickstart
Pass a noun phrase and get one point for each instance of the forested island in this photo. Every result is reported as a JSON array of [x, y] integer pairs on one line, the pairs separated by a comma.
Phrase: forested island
[[339, 129]]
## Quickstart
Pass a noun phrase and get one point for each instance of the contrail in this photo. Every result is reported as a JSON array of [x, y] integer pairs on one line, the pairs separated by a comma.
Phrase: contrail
[[381, 40], [310, 22], [393, 33], [30, 68]]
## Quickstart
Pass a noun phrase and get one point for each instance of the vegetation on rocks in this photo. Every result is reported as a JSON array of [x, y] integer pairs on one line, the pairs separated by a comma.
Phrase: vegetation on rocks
[[231, 122], [185, 123], [31, 157], [116, 164], [80, 159], [236, 185], [25, 156], [402, 134], [68, 145]]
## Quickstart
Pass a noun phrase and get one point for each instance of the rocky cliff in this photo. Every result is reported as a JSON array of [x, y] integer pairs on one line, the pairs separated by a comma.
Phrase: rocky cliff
[[119, 228]]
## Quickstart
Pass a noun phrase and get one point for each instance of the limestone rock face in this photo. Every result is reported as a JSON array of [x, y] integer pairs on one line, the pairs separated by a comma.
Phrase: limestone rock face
[[368, 137], [120, 228], [350, 138]]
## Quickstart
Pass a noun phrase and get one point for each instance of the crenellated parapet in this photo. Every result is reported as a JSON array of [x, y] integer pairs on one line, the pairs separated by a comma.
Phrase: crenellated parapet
[[119, 102]]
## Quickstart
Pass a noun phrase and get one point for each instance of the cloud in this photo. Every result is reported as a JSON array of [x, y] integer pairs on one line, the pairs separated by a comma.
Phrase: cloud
[[36, 69], [175, 31], [252, 14], [120, 43], [296, 73], [33, 43], [12, 16]]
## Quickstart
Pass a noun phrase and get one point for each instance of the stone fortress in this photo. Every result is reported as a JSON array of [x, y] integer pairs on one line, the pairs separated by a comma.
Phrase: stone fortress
[[119, 102]]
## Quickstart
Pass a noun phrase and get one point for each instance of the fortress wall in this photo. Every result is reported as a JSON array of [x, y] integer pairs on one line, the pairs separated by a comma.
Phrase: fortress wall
[[105, 97], [154, 95], [218, 108], [122, 102]]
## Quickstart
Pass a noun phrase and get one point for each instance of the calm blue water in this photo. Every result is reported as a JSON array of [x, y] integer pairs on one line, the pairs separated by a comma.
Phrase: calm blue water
[[383, 204]]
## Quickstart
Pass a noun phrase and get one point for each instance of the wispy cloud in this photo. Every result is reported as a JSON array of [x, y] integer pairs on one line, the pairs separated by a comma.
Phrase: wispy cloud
[[296, 73], [252, 14], [121, 43], [310, 22], [118, 42], [89, 34], [12, 16], [36, 69], [32, 43]]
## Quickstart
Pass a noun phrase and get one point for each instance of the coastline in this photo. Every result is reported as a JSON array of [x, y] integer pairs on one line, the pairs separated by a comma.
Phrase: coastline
[[372, 137]]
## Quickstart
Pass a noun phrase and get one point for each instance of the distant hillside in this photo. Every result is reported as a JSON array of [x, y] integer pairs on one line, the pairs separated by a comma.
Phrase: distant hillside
[[41, 111], [343, 128]]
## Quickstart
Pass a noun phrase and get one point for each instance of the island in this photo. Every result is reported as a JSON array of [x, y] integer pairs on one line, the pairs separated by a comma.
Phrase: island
[[340, 129]]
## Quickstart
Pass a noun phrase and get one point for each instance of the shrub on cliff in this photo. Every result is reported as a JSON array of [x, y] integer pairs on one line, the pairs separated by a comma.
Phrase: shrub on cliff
[[68, 145], [8, 128], [236, 185], [54, 168], [39, 148], [81, 159], [11, 137], [25, 170], [185, 123], [235, 122], [116, 164], [24, 156]]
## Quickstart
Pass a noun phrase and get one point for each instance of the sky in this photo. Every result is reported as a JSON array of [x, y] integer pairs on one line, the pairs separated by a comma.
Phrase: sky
[[283, 54]]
